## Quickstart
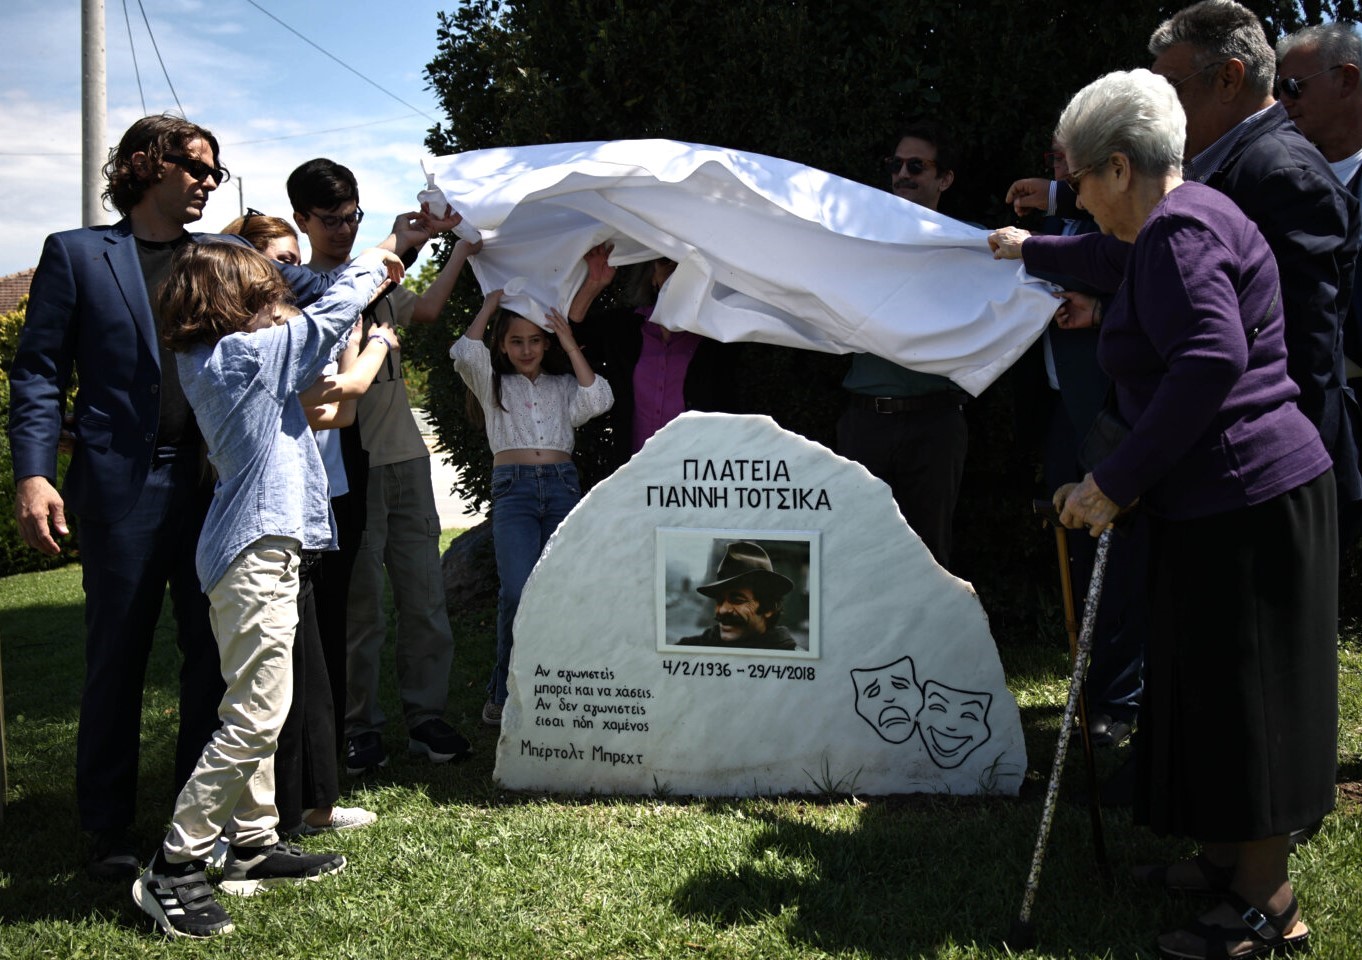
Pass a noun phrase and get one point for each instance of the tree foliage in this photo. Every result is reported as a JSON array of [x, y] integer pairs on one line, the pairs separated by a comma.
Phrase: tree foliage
[[825, 84]]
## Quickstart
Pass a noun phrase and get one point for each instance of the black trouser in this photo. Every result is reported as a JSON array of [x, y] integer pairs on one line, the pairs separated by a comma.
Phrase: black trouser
[[126, 566], [305, 774], [920, 454]]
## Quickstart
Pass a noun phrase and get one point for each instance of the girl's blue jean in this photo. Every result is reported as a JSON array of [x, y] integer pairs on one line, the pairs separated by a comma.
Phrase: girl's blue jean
[[528, 503]]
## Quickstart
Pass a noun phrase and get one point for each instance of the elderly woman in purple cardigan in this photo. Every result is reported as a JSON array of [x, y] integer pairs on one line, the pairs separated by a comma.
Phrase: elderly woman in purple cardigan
[[1237, 745]]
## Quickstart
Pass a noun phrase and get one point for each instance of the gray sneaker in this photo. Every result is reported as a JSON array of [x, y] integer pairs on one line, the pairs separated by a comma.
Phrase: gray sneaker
[[249, 870], [491, 714]]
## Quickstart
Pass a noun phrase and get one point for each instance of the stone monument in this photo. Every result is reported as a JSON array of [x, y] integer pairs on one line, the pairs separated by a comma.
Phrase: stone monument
[[740, 611]]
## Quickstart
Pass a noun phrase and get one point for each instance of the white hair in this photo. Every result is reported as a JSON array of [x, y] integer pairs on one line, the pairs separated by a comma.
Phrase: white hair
[[1136, 113], [1335, 43]]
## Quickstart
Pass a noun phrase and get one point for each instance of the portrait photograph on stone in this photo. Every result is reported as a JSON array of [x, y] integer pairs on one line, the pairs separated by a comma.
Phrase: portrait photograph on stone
[[738, 592]]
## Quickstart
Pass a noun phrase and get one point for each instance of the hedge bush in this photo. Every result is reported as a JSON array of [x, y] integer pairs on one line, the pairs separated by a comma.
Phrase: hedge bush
[[15, 555]]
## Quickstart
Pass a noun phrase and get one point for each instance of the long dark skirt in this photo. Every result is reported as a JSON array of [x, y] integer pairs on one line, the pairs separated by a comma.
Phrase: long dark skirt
[[1239, 729]]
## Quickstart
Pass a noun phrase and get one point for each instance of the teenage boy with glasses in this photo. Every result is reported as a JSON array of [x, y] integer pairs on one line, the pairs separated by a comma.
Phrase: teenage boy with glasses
[[395, 524]]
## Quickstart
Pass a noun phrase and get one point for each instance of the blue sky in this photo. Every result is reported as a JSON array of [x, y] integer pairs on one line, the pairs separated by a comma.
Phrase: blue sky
[[272, 100]]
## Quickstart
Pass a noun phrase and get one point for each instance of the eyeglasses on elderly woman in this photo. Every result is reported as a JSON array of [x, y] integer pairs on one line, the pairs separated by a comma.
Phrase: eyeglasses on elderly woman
[[1076, 176]]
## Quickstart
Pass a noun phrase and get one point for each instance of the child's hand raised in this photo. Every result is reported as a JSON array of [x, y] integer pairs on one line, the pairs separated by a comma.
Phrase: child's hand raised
[[396, 269], [391, 262], [563, 329]]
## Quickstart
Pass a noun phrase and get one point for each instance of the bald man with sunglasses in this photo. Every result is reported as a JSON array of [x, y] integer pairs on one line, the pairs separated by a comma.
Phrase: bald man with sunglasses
[[1320, 84]]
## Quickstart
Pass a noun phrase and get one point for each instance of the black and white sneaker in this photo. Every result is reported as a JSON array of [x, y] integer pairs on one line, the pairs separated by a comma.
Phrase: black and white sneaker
[[364, 753], [249, 870], [438, 741], [177, 896]]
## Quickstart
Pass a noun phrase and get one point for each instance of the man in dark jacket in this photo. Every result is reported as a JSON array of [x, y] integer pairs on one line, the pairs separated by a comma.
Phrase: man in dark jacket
[[135, 478], [1240, 141], [1321, 88]]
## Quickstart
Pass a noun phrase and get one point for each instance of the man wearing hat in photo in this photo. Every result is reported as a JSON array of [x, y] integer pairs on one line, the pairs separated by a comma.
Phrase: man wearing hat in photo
[[749, 597]]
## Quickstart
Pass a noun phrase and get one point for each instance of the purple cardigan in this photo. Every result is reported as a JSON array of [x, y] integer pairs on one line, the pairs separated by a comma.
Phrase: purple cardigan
[[1193, 342]]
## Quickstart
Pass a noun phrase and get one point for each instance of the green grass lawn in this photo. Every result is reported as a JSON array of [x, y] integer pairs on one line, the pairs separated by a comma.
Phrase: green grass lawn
[[456, 867]]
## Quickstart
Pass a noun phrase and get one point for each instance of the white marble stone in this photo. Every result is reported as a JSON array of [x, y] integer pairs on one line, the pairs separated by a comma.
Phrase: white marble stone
[[894, 686]]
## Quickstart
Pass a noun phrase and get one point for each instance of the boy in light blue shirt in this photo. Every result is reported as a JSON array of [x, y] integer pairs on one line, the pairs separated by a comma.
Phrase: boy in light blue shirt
[[243, 354]]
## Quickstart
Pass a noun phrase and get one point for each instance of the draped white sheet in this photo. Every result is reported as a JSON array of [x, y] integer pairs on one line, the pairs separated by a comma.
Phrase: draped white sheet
[[767, 250]]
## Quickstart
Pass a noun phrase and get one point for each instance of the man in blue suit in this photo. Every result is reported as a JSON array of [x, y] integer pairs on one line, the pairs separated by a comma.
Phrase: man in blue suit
[[136, 479]]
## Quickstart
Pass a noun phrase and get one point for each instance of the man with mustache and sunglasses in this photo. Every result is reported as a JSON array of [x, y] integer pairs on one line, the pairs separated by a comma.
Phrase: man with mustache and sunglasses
[[906, 427]]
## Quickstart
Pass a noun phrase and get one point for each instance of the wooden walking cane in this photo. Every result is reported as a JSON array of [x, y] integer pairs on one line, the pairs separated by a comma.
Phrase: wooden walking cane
[[1023, 932]]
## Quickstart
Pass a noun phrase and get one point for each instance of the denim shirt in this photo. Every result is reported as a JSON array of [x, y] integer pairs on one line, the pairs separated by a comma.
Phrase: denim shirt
[[244, 391]]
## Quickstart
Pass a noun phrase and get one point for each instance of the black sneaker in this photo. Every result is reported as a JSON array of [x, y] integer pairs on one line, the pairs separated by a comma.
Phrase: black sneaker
[[177, 896], [249, 870], [113, 856], [438, 741], [364, 753]]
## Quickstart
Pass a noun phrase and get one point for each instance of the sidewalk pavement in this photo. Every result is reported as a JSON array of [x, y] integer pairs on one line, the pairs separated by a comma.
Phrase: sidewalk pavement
[[451, 507]]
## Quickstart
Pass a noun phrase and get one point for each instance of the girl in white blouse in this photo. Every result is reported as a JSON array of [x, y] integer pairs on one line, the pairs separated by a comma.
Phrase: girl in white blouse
[[531, 405]]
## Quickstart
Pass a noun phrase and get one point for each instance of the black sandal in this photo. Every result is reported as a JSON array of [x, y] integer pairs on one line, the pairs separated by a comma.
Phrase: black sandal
[[1265, 933], [1215, 878]]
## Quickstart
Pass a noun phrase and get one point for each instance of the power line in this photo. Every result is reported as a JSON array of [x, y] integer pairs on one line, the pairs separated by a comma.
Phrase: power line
[[154, 46], [136, 71], [313, 133], [234, 143], [341, 62]]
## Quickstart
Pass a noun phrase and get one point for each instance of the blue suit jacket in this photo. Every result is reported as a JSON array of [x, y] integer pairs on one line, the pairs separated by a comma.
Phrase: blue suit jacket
[[89, 310]]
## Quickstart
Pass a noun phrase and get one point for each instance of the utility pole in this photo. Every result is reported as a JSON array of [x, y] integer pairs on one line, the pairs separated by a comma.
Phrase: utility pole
[[94, 111]]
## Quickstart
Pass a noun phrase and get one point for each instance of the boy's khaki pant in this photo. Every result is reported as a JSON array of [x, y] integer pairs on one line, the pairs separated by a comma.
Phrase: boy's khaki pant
[[254, 616]]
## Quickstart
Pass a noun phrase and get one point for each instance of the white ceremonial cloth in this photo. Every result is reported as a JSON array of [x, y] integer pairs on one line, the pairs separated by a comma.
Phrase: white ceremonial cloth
[[766, 250]]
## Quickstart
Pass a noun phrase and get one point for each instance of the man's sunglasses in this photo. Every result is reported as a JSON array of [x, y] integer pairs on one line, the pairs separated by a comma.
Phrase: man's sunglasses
[[331, 222], [1293, 87], [197, 169], [914, 165]]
